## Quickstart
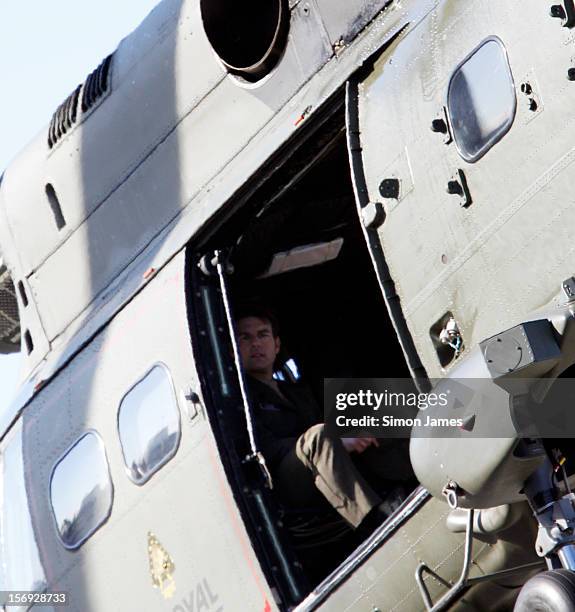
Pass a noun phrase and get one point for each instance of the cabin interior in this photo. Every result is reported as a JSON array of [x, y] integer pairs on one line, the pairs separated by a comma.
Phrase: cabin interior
[[332, 315]]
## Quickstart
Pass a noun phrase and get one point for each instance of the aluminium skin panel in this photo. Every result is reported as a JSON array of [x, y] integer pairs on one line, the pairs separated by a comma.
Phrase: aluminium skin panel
[[302, 77], [386, 579], [497, 261], [136, 160], [187, 505]]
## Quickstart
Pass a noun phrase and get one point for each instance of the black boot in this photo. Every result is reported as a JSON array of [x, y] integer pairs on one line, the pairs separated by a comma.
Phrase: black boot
[[380, 513]]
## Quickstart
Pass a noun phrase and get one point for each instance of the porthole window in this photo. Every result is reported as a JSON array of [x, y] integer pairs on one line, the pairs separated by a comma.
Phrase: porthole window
[[149, 424], [81, 490], [481, 100]]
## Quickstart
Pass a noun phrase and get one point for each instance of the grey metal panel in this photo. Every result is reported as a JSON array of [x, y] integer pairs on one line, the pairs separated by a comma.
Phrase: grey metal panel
[[482, 465], [86, 395], [16, 530], [503, 257], [219, 189], [145, 106], [33, 232], [386, 580], [343, 20], [158, 24], [150, 94], [155, 192], [145, 203], [171, 176]]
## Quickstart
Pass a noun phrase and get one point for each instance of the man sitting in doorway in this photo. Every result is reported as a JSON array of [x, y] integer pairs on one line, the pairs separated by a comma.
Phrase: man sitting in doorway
[[308, 466]]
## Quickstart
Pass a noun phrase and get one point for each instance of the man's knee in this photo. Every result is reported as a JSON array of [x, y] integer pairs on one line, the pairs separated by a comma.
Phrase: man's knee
[[314, 442], [316, 432], [313, 437]]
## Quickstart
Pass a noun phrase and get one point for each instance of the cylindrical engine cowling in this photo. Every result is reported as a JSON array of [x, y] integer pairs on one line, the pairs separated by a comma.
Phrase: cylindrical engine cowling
[[248, 37]]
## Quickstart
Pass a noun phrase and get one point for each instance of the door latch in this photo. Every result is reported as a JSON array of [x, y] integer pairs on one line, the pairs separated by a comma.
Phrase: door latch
[[208, 264], [564, 11], [193, 403], [441, 126], [458, 186], [373, 215]]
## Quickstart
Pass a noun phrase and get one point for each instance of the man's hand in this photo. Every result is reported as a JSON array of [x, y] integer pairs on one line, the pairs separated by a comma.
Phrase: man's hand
[[358, 445]]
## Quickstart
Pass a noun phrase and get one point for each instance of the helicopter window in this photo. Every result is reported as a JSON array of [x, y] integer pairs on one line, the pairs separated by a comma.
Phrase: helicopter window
[[481, 100], [149, 425], [20, 566], [289, 371], [81, 490]]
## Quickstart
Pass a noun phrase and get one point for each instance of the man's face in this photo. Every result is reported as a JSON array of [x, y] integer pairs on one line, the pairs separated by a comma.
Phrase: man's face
[[258, 346]]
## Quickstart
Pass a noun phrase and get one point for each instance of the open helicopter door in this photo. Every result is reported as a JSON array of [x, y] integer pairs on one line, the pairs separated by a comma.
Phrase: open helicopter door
[[461, 160], [230, 414]]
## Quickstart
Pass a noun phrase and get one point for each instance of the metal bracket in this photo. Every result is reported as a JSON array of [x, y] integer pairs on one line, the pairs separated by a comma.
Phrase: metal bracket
[[451, 336], [452, 491], [569, 288], [458, 186], [464, 580], [258, 458], [556, 526], [454, 590], [441, 126], [564, 11], [193, 403], [208, 264], [373, 215]]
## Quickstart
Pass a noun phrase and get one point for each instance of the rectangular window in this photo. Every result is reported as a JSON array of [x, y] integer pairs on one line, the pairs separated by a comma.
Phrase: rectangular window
[[149, 424], [481, 100], [81, 490]]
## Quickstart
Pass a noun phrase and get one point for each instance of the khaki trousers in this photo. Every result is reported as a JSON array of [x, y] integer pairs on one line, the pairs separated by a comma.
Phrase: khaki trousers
[[319, 469]]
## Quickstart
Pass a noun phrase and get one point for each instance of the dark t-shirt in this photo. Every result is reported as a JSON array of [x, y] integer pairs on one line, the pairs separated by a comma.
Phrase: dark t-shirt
[[279, 421]]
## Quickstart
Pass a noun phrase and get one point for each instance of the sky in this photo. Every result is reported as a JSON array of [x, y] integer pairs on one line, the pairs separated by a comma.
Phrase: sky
[[48, 47]]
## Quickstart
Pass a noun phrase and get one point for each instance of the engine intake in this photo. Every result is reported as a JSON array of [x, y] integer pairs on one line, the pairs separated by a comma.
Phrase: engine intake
[[248, 37]]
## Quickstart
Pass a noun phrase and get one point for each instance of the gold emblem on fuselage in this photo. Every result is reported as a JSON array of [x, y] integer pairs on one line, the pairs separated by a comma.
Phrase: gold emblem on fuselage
[[161, 567]]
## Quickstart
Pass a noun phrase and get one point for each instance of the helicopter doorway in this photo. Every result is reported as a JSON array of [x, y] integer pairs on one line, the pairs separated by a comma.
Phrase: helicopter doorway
[[296, 246]]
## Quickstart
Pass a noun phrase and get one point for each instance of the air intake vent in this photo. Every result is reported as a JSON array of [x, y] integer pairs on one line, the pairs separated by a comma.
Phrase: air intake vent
[[93, 89], [9, 318], [64, 117], [96, 84]]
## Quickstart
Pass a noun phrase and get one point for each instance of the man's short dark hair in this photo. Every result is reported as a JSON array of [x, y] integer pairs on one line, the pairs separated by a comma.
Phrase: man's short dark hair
[[259, 311]]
